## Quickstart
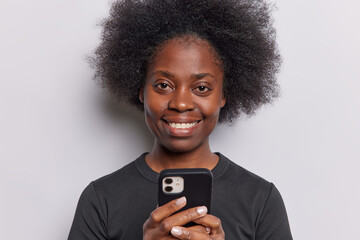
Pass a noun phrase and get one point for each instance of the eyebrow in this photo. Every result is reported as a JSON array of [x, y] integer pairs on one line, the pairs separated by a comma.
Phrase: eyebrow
[[202, 75], [164, 73], [195, 75]]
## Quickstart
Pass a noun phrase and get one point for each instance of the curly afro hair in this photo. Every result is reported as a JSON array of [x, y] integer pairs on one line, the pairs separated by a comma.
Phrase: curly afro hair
[[240, 31]]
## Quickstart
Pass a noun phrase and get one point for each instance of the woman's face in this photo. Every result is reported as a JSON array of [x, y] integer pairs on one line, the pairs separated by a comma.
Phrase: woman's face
[[183, 94]]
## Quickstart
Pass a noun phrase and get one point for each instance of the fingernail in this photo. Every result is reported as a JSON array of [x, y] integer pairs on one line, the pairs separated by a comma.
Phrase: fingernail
[[208, 230], [180, 201], [201, 210], [176, 231]]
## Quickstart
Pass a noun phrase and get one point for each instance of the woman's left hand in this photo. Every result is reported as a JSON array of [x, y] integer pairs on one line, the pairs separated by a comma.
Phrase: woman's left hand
[[209, 228]]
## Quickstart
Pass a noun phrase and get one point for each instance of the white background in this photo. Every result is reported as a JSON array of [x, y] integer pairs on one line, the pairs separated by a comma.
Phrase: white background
[[59, 130]]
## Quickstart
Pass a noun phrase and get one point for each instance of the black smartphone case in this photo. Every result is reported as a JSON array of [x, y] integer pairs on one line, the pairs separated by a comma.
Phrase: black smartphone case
[[197, 187]]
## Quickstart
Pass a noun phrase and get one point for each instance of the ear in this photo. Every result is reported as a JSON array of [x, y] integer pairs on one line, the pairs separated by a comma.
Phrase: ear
[[141, 93], [223, 100]]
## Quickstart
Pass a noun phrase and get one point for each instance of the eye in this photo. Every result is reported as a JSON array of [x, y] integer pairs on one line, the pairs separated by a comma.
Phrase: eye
[[201, 90], [162, 86]]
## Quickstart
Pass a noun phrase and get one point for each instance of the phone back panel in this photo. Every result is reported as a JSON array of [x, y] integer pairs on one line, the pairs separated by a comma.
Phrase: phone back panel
[[197, 187]]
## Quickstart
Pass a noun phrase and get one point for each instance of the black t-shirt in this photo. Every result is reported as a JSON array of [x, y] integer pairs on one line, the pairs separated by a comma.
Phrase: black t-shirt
[[117, 205]]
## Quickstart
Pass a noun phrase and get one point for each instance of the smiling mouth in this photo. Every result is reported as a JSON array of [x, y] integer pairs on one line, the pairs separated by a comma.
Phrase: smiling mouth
[[182, 125]]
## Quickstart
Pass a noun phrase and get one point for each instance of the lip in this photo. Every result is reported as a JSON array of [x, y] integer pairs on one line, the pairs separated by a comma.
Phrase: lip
[[180, 132], [176, 119]]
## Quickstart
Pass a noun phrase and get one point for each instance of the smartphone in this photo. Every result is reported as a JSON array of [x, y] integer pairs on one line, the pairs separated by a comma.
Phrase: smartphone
[[193, 183]]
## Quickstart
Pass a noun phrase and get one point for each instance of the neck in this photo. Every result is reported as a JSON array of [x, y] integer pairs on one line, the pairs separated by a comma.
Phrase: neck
[[161, 158]]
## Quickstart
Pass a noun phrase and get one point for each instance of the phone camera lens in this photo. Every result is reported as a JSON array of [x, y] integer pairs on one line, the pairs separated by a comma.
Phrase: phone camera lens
[[168, 189], [168, 181]]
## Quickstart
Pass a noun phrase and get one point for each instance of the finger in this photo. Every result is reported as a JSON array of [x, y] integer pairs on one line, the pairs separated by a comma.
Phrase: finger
[[188, 234], [200, 228], [182, 218], [166, 210], [170, 237], [211, 222]]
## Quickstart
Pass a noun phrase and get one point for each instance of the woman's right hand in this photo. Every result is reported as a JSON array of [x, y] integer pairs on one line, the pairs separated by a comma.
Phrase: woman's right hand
[[161, 220]]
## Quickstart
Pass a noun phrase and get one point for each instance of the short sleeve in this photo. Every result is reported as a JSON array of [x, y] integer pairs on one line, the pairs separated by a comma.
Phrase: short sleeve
[[273, 222], [89, 220]]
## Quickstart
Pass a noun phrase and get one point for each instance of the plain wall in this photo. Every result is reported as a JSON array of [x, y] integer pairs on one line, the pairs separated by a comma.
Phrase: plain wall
[[59, 130]]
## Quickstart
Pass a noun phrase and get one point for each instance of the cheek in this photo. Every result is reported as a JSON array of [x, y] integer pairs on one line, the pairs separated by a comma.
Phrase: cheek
[[153, 106], [150, 111], [213, 115], [211, 109], [151, 118]]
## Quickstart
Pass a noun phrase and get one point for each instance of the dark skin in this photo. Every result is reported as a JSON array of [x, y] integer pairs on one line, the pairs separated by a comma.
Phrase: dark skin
[[182, 96]]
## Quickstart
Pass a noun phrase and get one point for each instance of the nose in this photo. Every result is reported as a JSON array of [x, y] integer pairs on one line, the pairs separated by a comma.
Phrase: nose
[[182, 100]]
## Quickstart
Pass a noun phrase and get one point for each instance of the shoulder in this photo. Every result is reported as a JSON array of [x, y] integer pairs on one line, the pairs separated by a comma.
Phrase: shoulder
[[250, 185], [254, 197], [234, 172], [122, 173], [118, 180]]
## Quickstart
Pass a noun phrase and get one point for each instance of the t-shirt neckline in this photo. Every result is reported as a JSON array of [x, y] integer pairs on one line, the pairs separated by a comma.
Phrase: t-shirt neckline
[[152, 176]]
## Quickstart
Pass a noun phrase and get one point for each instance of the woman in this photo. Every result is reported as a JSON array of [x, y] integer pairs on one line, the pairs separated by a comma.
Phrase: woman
[[187, 65]]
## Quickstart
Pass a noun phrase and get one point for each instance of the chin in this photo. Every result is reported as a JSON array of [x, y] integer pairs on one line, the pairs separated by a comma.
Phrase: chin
[[180, 147]]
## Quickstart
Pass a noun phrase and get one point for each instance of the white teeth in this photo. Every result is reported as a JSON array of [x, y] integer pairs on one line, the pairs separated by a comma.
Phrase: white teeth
[[182, 125]]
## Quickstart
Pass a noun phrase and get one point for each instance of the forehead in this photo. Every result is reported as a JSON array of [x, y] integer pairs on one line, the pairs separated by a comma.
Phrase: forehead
[[188, 52]]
